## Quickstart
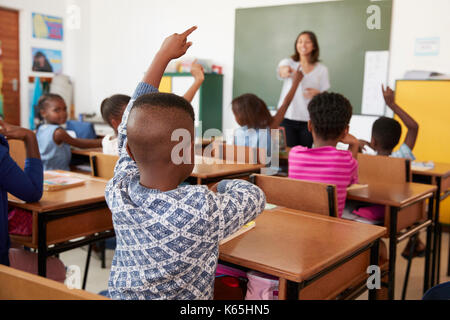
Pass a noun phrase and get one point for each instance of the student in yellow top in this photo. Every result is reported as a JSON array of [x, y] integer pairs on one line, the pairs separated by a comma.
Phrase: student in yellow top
[[112, 108]]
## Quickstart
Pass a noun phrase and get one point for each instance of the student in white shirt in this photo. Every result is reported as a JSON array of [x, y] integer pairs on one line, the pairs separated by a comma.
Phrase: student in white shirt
[[112, 108]]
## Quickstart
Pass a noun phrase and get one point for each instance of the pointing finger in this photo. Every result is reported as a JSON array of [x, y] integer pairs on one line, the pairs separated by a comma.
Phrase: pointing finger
[[189, 31]]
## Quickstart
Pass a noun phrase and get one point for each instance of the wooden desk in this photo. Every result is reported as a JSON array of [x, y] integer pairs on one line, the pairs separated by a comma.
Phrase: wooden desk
[[63, 215], [405, 207], [207, 172], [440, 177], [85, 152], [304, 248]]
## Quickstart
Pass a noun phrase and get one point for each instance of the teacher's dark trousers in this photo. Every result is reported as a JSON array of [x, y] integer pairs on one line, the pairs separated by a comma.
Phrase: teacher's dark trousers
[[297, 133]]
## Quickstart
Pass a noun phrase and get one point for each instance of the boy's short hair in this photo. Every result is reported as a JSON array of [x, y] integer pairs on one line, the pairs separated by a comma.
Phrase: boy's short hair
[[164, 100], [113, 107], [330, 114], [152, 121], [386, 132]]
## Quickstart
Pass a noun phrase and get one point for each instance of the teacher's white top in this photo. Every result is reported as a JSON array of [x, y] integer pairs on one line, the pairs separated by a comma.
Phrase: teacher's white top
[[317, 79]]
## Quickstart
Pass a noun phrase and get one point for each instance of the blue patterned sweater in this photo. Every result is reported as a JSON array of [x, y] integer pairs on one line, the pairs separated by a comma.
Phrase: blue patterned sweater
[[167, 242]]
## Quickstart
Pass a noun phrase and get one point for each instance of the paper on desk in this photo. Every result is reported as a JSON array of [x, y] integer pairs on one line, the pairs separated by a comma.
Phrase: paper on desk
[[422, 166], [356, 186]]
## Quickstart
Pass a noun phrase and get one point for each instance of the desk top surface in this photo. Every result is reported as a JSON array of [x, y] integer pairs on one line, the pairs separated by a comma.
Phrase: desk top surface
[[85, 152], [92, 191], [396, 195], [296, 245], [210, 168], [440, 170]]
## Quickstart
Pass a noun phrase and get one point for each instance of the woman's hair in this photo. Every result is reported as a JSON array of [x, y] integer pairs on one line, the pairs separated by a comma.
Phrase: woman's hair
[[316, 51], [112, 107], [251, 111], [44, 100], [330, 114]]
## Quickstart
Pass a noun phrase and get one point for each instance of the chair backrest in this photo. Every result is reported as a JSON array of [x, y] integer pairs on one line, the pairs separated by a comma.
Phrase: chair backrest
[[83, 130], [19, 285], [17, 152], [372, 169], [240, 154], [103, 164], [296, 194]]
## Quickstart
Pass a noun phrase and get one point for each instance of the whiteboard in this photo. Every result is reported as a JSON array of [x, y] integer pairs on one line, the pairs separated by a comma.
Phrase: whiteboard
[[375, 74]]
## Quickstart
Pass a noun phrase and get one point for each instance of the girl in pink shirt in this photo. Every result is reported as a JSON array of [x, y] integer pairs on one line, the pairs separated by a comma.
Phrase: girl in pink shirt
[[330, 115]]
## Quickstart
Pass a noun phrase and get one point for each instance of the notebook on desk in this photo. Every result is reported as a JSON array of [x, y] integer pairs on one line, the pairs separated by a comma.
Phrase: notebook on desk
[[56, 181]]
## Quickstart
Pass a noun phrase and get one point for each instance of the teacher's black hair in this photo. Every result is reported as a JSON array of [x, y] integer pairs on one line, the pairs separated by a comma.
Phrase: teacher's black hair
[[330, 114], [386, 132]]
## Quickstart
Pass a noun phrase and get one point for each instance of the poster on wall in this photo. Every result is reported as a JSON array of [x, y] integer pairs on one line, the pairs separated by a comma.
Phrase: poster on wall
[[46, 60], [47, 27]]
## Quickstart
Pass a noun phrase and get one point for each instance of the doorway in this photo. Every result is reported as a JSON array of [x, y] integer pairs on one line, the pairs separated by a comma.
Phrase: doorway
[[10, 65]]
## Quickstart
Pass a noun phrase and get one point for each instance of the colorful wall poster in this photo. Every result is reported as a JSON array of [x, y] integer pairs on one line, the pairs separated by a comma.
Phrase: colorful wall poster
[[47, 27], [46, 60]]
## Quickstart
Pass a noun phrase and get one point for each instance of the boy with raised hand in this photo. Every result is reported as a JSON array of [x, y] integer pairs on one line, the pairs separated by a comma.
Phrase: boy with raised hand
[[168, 236], [386, 133]]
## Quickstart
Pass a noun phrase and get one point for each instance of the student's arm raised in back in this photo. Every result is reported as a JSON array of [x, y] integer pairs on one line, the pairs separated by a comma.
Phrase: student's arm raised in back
[[61, 135], [199, 75], [236, 203], [410, 123], [279, 116], [173, 47]]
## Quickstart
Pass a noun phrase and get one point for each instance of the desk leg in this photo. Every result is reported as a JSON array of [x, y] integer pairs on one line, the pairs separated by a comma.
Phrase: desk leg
[[427, 279], [374, 261], [392, 251], [292, 290], [437, 235], [42, 245]]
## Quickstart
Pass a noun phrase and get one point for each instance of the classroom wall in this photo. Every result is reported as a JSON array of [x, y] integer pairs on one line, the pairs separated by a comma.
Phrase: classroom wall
[[118, 39], [75, 54], [136, 35]]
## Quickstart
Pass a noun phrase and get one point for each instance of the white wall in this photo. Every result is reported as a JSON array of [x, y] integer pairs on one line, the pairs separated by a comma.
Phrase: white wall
[[118, 39], [75, 54]]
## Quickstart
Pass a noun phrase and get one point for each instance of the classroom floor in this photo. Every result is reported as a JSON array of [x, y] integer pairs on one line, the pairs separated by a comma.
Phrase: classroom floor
[[98, 277]]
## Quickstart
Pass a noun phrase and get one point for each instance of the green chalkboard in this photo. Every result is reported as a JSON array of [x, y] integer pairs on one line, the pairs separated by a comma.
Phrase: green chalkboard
[[264, 36]]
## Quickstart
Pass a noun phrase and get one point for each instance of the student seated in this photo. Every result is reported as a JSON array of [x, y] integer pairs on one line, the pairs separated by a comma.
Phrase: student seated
[[168, 236], [255, 120], [27, 185], [330, 115], [54, 142], [386, 133], [112, 108]]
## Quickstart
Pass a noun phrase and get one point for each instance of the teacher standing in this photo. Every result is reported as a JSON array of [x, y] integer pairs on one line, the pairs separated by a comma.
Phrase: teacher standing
[[315, 81]]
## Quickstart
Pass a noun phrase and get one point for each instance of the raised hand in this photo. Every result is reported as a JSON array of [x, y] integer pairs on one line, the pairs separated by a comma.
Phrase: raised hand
[[388, 95], [176, 45], [197, 71], [297, 76]]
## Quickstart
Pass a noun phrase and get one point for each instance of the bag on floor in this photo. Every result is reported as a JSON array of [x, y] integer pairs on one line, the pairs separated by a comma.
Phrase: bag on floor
[[261, 286]]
